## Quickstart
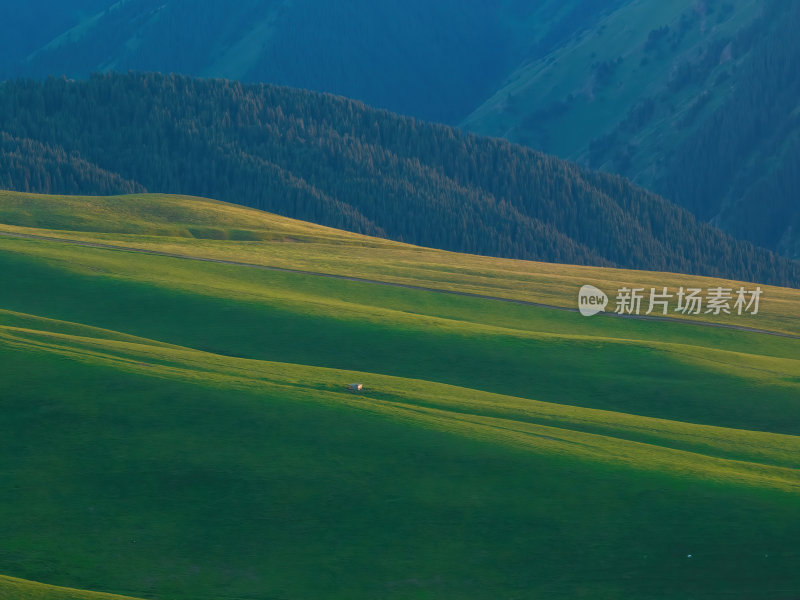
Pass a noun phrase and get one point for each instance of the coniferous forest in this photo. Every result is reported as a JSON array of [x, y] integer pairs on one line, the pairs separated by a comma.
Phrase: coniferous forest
[[337, 162]]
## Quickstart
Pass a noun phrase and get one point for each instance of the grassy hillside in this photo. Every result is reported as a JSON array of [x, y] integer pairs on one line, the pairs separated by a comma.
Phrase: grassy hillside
[[13, 588], [180, 429], [206, 228]]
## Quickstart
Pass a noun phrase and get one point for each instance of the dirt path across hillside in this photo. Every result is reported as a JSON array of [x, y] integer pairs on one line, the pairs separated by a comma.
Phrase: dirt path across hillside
[[388, 283]]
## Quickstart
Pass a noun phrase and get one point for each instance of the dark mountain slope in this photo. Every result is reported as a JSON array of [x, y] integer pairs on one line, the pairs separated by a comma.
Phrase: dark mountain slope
[[337, 162], [29, 165], [741, 168], [694, 99]]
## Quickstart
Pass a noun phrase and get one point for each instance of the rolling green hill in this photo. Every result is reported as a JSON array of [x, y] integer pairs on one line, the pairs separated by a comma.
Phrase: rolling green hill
[[12, 588], [178, 428]]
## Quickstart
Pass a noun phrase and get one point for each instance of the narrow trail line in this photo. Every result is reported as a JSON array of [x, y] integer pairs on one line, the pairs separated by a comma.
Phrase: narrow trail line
[[388, 283]]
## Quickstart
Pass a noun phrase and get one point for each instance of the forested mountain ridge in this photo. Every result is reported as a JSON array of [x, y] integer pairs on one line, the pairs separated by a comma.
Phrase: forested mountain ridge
[[337, 162]]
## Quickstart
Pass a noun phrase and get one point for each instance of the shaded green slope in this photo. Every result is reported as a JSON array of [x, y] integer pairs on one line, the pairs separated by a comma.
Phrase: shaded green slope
[[189, 226], [186, 475], [522, 351], [181, 430], [12, 588], [747, 457]]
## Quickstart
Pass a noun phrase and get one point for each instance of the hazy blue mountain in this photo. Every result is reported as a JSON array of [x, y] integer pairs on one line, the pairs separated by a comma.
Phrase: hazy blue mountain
[[27, 26], [434, 60], [390, 54]]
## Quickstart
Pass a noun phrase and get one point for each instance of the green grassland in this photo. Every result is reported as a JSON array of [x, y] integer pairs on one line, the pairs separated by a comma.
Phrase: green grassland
[[12, 588], [207, 228], [180, 429]]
